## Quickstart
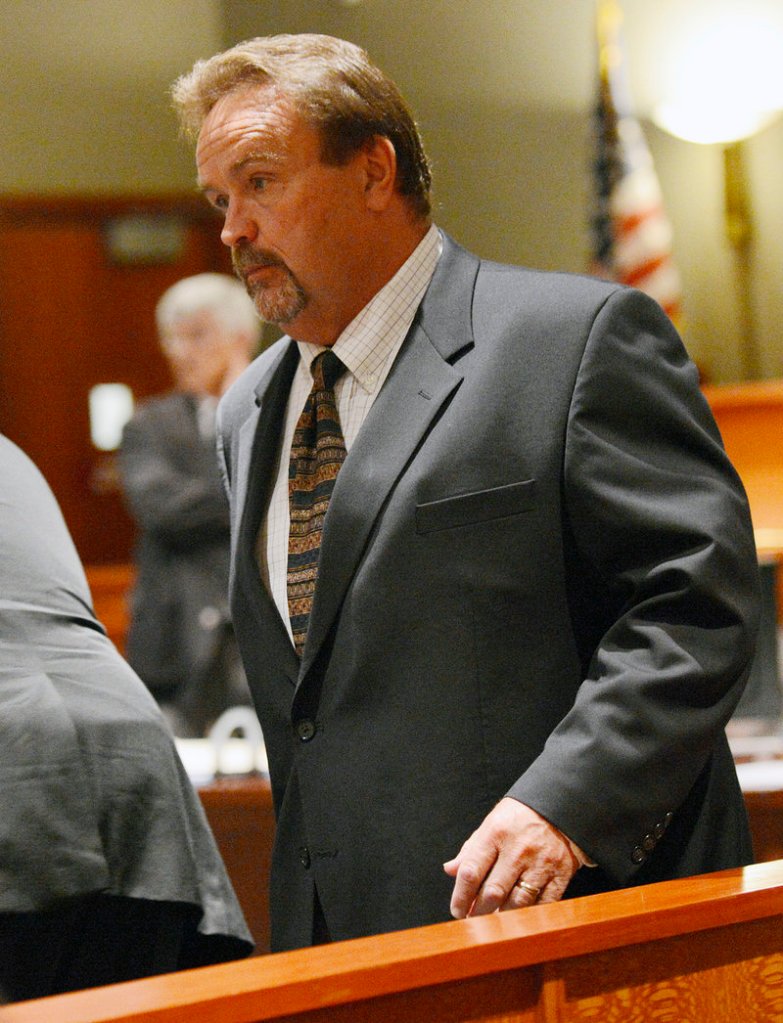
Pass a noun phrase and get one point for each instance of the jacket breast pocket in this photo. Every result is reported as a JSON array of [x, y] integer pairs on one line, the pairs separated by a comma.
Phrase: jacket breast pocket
[[479, 506]]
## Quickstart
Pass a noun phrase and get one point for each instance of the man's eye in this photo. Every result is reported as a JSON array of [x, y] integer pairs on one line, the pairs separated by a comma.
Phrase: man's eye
[[220, 203], [259, 184]]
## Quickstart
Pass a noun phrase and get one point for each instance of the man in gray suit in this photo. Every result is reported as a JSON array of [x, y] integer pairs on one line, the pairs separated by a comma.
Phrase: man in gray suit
[[180, 638], [536, 582]]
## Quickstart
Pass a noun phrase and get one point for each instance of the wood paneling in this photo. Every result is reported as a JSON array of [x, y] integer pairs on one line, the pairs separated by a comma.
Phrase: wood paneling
[[72, 317]]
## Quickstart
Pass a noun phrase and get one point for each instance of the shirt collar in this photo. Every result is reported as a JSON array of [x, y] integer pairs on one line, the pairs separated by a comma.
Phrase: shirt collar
[[377, 331]]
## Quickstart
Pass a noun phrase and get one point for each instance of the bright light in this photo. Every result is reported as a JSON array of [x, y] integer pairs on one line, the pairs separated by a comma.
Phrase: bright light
[[727, 80], [111, 406], [705, 124]]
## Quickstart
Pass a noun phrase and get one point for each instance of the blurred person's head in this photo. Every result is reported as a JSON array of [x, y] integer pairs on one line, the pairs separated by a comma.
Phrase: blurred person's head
[[209, 331]]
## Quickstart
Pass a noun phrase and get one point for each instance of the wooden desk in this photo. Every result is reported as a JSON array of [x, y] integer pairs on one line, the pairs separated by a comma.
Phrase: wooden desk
[[765, 812], [708, 948]]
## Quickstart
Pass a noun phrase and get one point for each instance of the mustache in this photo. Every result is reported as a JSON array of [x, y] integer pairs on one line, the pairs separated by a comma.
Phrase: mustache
[[245, 257]]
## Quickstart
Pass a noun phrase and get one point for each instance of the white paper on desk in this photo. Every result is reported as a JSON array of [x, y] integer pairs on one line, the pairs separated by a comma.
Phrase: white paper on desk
[[203, 760], [761, 775]]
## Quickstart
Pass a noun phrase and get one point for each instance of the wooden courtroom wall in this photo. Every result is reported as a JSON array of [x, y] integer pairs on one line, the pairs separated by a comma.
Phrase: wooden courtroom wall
[[75, 313]]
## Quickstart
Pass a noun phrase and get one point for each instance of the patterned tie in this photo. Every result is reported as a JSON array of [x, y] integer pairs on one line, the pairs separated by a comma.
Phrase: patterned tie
[[317, 452]]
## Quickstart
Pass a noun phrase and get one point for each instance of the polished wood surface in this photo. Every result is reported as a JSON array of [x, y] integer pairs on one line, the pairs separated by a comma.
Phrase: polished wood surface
[[708, 948]]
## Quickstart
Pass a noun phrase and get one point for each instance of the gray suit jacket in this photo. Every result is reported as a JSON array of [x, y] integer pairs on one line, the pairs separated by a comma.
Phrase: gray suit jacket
[[537, 578], [180, 639], [93, 797]]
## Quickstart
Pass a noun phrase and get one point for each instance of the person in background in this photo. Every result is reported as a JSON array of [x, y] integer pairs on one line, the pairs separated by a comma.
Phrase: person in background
[[180, 638], [108, 869], [499, 604]]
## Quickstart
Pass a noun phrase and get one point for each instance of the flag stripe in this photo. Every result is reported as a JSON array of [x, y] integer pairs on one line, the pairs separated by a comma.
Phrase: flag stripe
[[631, 235]]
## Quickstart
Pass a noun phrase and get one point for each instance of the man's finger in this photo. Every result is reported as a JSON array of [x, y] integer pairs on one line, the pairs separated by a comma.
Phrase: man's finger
[[469, 878]]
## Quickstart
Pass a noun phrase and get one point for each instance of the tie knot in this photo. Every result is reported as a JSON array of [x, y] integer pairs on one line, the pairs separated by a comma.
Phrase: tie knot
[[327, 369]]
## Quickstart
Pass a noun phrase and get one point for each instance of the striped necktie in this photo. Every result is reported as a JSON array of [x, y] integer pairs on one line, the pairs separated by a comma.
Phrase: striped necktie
[[317, 452]]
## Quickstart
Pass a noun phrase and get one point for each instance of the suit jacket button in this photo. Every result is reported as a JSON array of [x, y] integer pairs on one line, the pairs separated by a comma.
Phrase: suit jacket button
[[304, 856], [648, 843], [638, 855], [305, 729], [659, 830]]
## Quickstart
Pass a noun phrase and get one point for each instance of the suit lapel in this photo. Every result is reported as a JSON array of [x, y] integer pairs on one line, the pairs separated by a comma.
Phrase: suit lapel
[[259, 440], [421, 381]]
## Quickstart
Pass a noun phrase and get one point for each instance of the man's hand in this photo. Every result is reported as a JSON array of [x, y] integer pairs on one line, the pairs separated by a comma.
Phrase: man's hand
[[513, 844]]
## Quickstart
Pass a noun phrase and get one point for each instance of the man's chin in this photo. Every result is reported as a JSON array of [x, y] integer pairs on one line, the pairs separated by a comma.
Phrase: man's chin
[[277, 309]]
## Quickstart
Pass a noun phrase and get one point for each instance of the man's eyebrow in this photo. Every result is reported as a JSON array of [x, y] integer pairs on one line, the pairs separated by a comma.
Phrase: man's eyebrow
[[264, 156], [255, 156]]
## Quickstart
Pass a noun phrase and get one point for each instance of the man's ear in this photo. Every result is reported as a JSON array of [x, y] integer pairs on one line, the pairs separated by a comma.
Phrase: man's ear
[[380, 167]]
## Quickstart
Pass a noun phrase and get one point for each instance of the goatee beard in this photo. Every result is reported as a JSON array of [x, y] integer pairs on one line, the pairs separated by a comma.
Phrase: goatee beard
[[279, 303]]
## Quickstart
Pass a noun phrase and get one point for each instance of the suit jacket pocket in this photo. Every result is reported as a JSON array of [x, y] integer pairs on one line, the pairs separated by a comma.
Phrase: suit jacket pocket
[[480, 506]]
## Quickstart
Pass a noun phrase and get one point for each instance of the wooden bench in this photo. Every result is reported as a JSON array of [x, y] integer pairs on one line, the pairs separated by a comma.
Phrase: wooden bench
[[706, 948]]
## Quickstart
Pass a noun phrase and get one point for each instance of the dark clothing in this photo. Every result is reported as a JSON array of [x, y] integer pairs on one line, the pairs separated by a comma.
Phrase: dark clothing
[[180, 639], [94, 801], [100, 939], [537, 578]]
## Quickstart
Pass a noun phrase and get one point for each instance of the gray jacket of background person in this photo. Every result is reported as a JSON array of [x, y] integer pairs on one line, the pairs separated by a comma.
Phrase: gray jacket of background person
[[179, 626], [537, 578], [93, 796]]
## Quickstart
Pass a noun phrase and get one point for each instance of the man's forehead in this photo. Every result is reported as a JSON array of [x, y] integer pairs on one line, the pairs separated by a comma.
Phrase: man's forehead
[[252, 116]]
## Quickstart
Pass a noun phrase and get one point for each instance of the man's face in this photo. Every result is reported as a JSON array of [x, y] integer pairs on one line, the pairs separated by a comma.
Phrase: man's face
[[294, 224], [199, 351]]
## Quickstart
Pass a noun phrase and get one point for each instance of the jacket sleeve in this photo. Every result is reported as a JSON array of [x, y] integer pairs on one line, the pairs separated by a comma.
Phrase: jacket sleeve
[[659, 526]]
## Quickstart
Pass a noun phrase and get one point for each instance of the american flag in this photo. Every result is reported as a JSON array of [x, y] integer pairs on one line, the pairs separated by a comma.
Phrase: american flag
[[632, 237]]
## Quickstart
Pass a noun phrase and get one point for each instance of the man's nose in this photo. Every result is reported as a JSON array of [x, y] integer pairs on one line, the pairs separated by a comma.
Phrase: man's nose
[[239, 226]]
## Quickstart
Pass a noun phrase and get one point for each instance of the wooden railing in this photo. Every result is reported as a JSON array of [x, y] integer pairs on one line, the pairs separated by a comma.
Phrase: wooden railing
[[708, 948]]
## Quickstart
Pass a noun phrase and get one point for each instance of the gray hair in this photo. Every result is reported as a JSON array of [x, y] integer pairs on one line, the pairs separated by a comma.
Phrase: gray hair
[[220, 294], [332, 84]]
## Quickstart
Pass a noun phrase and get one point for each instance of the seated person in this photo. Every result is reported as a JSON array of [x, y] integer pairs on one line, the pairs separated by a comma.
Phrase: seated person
[[108, 869], [180, 639]]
